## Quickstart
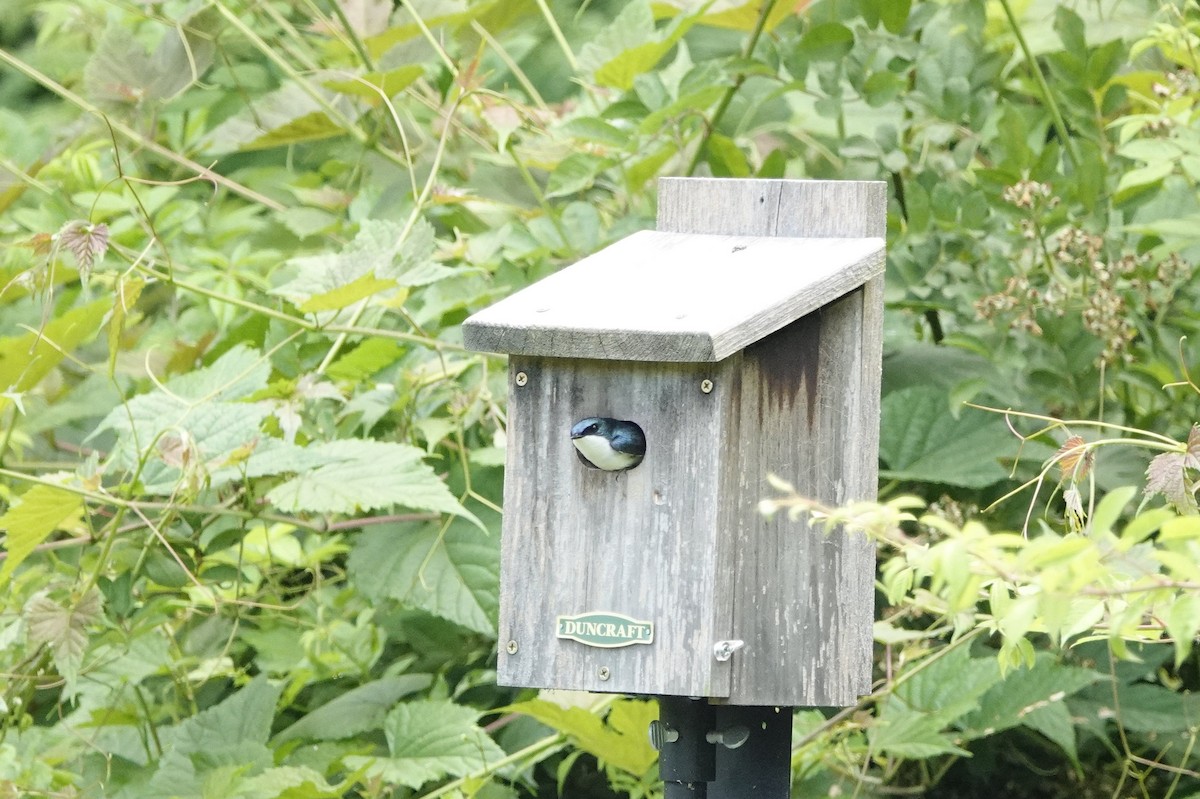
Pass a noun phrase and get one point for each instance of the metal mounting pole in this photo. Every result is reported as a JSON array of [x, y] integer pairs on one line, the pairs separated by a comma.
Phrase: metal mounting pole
[[722, 751]]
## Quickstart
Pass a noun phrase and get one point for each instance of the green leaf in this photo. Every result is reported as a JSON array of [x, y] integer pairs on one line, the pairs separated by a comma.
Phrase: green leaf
[[903, 733], [1053, 720], [64, 630], [369, 85], [287, 782], [455, 576], [828, 41], [25, 360], [380, 251], [951, 686], [620, 742], [27, 523], [289, 115], [356, 711], [219, 744], [365, 475], [574, 173], [631, 46], [1024, 690], [358, 289], [430, 740], [921, 440]]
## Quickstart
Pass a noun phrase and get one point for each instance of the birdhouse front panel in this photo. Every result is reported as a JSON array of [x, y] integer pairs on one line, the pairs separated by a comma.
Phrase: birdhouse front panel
[[608, 577]]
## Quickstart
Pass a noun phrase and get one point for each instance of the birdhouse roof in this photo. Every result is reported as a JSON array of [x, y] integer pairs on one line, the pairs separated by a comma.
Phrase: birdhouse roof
[[662, 296]]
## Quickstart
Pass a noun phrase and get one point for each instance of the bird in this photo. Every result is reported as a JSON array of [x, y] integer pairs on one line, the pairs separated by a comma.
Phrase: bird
[[612, 445]]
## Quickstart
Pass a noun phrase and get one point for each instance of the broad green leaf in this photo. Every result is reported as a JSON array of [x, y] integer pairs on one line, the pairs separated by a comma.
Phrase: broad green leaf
[[356, 711], [287, 782], [631, 45], [430, 740], [358, 289], [828, 41], [921, 440], [27, 523], [734, 16], [574, 174], [225, 742], [454, 576], [1053, 720], [26, 359], [1024, 690], [364, 475], [289, 115], [379, 250], [64, 629], [950, 686], [370, 84], [905, 733], [616, 742]]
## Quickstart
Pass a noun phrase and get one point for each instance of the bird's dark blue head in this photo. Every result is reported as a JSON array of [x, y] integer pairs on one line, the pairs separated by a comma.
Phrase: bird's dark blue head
[[613, 445]]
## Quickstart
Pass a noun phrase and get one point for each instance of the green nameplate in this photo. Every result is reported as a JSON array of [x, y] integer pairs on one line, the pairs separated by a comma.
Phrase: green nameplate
[[605, 630]]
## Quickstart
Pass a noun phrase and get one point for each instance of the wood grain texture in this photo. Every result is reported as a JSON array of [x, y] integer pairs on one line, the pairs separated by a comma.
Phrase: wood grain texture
[[803, 600], [679, 541], [639, 542], [791, 208], [675, 296]]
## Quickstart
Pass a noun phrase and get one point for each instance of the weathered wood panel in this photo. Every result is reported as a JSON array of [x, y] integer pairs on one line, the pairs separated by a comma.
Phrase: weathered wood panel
[[806, 407], [803, 599], [639, 543], [675, 297], [790, 208]]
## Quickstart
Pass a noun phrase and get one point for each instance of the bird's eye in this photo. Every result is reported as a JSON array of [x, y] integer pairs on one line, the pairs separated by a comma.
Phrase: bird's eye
[[592, 429]]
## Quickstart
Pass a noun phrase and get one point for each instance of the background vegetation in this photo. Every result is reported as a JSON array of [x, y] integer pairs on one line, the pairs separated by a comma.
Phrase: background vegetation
[[250, 479]]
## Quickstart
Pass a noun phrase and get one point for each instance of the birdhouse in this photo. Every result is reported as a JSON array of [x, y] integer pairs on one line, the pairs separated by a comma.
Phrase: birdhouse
[[741, 339]]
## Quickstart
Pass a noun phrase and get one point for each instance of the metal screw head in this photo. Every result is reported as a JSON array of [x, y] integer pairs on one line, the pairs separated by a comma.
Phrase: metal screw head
[[511, 648], [723, 650], [706, 386], [604, 673], [522, 378]]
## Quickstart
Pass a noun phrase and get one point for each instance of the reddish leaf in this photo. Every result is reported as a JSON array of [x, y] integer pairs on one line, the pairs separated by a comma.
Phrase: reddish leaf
[[1075, 459]]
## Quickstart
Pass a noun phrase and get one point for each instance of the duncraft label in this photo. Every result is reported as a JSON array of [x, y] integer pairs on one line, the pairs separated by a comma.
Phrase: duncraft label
[[606, 630]]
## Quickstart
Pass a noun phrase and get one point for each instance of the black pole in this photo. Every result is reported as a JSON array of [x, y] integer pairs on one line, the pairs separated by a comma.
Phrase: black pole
[[686, 761], [723, 751]]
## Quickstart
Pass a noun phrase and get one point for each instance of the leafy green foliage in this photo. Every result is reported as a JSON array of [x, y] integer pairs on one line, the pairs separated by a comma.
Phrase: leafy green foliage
[[250, 479]]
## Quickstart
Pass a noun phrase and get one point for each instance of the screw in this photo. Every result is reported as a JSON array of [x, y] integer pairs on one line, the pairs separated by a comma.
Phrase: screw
[[723, 650], [511, 648], [604, 673], [522, 378], [706, 386]]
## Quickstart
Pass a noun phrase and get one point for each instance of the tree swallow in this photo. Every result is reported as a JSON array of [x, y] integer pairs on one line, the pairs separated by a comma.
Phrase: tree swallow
[[608, 444]]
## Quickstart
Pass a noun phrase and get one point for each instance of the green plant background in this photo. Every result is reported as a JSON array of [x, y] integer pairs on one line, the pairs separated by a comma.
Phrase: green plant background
[[250, 479]]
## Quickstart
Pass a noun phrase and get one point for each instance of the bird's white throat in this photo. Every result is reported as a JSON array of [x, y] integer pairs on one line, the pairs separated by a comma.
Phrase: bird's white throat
[[597, 450]]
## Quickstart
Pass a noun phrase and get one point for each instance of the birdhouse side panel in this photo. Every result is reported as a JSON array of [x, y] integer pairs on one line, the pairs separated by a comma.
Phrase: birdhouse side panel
[[609, 578], [803, 598]]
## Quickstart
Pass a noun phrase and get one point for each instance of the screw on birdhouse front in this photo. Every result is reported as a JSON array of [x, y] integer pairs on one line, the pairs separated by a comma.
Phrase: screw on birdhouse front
[[511, 648], [522, 378], [723, 650], [604, 673], [706, 386]]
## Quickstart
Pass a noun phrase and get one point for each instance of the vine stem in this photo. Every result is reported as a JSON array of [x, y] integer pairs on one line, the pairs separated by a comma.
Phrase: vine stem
[[1060, 124], [759, 25], [129, 504]]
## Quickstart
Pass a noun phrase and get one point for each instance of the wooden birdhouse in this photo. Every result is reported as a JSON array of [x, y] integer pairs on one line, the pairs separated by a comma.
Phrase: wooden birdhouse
[[742, 338]]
